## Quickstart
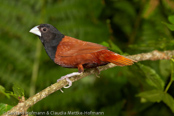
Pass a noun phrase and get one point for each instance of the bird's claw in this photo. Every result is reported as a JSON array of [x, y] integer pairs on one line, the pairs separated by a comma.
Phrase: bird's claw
[[67, 79], [97, 72], [61, 90], [69, 83]]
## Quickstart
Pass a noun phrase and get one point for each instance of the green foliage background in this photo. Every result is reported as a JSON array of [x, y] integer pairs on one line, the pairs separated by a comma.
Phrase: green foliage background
[[124, 26]]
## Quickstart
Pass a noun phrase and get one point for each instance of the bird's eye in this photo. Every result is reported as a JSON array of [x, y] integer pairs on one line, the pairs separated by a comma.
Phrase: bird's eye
[[44, 29]]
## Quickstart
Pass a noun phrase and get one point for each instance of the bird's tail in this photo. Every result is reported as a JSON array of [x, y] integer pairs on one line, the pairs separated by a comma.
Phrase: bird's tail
[[116, 59]]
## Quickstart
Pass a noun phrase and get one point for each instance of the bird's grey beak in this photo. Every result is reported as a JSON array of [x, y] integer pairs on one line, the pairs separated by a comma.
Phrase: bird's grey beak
[[35, 30]]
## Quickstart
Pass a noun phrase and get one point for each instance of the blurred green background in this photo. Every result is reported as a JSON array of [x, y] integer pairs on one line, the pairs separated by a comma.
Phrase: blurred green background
[[124, 26]]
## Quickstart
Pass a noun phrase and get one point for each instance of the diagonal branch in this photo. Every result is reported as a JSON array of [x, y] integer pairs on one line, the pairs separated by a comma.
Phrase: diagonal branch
[[22, 107]]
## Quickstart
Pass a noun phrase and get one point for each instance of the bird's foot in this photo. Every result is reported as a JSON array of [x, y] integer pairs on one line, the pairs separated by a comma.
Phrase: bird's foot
[[67, 79], [97, 73]]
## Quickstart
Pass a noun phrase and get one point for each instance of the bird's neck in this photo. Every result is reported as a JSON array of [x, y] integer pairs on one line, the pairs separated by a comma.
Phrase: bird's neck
[[51, 46]]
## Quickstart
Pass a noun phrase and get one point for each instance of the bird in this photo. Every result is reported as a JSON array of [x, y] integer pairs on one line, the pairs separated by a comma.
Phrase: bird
[[70, 52]]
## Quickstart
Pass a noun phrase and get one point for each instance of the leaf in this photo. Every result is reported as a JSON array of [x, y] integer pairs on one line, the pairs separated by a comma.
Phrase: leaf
[[115, 47], [4, 108], [170, 26], [2, 90], [158, 96], [165, 68], [152, 95], [169, 101], [152, 77], [171, 19], [105, 44], [18, 91]]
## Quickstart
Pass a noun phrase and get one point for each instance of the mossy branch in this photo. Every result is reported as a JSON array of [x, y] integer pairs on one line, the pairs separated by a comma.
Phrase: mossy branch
[[23, 106]]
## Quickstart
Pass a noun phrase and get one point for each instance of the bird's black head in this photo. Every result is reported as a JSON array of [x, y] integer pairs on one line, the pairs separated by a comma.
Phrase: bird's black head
[[49, 36], [47, 33]]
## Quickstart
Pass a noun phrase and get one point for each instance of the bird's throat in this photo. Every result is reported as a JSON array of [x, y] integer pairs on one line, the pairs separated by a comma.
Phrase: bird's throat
[[51, 46]]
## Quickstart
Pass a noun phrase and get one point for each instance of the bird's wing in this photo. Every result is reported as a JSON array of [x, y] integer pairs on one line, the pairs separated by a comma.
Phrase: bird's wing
[[71, 47]]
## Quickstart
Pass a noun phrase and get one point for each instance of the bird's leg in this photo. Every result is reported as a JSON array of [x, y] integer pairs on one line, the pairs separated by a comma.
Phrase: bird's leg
[[67, 78], [80, 69]]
